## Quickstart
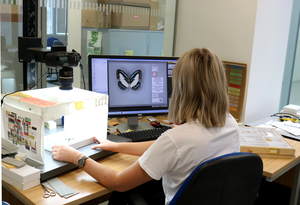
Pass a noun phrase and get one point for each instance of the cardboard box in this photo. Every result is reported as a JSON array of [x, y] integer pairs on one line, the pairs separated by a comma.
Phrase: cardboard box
[[130, 17], [103, 1], [10, 9], [141, 3], [266, 142], [11, 13], [100, 18], [154, 15]]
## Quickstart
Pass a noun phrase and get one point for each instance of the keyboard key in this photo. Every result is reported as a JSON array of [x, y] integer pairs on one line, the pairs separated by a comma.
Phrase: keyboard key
[[144, 135]]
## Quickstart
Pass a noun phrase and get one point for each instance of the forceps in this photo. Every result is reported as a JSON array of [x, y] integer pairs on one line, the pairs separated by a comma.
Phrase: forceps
[[47, 193]]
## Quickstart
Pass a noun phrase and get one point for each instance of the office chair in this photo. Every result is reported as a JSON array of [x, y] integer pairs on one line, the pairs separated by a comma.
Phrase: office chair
[[50, 41], [231, 179], [57, 43]]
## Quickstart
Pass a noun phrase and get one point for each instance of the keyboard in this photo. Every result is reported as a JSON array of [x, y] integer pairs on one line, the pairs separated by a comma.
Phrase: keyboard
[[144, 135]]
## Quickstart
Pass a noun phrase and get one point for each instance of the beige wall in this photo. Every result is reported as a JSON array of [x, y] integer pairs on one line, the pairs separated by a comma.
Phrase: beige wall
[[226, 27], [233, 29]]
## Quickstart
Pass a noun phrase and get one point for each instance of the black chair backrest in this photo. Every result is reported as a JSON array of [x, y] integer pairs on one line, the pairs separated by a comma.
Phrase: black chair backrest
[[232, 179]]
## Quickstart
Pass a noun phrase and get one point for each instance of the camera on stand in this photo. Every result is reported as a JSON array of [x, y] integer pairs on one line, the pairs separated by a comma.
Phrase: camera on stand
[[30, 50]]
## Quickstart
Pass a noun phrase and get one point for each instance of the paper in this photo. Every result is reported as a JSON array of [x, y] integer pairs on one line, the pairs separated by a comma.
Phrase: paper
[[38, 101], [79, 106], [23, 174], [8, 147], [128, 52], [94, 39], [14, 162], [59, 187], [290, 127], [24, 130], [19, 94]]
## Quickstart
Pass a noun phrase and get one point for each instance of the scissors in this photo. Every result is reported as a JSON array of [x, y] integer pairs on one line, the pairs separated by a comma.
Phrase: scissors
[[47, 193]]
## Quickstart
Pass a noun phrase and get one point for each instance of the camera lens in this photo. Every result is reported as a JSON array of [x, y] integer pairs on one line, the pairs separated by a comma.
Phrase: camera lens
[[65, 78]]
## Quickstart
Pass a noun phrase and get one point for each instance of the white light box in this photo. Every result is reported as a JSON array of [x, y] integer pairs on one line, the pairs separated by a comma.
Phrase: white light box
[[24, 113]]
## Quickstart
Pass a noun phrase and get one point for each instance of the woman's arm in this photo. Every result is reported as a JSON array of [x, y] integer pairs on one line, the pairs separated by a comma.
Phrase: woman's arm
[[136, 148], [125, 180]]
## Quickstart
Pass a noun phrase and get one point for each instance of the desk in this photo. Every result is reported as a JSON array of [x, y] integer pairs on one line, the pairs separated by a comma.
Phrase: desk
[[275, 167], [90, 189], [77, 179]]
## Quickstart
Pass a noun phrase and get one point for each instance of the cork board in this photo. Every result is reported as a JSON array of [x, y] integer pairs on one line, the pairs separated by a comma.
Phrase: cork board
[[236, 77]]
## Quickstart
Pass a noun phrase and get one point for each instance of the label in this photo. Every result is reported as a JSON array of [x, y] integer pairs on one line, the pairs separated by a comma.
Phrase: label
[[274, 150], [79, 106], [37, 101], [19, 94]]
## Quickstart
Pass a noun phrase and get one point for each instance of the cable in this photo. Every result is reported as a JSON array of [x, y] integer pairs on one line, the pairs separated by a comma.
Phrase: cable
[[23, 89], [38, 81], [281, 115], [81, 68]]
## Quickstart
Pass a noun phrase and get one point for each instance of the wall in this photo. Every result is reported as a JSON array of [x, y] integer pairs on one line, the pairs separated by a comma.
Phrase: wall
[[248, 31], [268, 58]]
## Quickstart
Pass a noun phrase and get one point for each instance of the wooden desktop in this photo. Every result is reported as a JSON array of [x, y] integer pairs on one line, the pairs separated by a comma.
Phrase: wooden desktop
[[88, 188], [284, 171]]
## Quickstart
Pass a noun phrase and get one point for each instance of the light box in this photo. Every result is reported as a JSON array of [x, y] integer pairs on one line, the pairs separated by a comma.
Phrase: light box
[[24, 113]]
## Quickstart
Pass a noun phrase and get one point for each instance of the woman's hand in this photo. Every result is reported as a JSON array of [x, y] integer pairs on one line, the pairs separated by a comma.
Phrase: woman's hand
[[65, 153], [105, 145]]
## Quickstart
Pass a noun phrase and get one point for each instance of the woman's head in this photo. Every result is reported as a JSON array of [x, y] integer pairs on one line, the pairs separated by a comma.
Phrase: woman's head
[[199, 89]]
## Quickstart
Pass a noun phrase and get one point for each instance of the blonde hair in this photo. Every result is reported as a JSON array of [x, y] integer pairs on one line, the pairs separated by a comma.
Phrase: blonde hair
[[199, 89]]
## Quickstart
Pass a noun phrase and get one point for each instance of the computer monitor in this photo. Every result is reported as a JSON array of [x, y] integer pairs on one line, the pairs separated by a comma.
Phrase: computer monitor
[[136, 86]]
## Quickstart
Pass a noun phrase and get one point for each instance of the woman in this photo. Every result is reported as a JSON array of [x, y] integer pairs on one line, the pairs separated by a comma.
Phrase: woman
[[199, 104]]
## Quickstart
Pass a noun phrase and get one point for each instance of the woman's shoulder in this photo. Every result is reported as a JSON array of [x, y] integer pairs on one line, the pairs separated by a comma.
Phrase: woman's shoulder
[[188, 127], [195, 125]]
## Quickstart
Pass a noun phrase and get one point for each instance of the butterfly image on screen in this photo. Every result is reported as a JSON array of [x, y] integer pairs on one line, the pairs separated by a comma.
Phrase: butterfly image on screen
[[132, 82]]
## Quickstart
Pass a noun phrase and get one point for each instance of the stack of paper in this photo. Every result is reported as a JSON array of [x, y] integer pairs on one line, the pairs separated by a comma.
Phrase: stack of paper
[[59, 187], [289, 127], [291, 109], [23, 178], [8, 147]]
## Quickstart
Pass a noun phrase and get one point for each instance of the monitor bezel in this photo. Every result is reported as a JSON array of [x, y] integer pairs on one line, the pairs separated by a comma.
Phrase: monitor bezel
[[90, 57]]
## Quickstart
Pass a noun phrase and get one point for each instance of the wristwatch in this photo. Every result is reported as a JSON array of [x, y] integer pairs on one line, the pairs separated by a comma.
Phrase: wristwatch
[[81, 161]]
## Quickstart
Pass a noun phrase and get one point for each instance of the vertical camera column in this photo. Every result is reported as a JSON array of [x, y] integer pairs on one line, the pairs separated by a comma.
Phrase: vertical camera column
[[30, 29]]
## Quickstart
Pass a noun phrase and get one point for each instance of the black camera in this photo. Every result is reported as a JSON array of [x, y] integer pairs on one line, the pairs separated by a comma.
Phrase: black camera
[[64, 62], [30, 50]]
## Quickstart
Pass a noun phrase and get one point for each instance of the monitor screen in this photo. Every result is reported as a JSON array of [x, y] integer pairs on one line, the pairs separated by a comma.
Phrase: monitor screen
[[136, 85]]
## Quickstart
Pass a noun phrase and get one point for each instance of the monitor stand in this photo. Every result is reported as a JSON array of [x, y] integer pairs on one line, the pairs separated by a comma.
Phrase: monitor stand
[[133, 124]]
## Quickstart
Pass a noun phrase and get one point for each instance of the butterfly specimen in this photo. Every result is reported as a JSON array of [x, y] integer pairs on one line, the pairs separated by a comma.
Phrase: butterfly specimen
[[132, 82]]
